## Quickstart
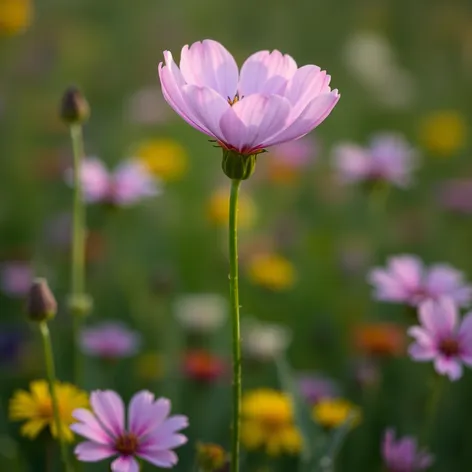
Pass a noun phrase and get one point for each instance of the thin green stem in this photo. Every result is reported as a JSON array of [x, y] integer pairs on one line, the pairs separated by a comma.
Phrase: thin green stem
[[432, 406], [234, 300], [51, 374]]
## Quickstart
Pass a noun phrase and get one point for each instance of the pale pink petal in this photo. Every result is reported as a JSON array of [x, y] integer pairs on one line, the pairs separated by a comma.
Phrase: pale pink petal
[[439, 317], [465, 330], [388, 287], [252, 120], [462, 295], [266, 73], [422, 336], [173, 424], [408, 270], [125, 464], [421, 352], [109, 409], [94, 179], [448, 366], [91, 452], [208, 64], [89, 427], [443, 278], [352, 162], [145, 414], [164, 459]]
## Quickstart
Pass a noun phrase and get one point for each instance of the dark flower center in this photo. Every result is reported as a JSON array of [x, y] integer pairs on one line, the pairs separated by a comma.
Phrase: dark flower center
[[127, 444], [449, 347]]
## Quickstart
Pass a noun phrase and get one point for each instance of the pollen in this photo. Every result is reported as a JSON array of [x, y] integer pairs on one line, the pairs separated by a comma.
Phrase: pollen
[[234, 100], [127, 444]]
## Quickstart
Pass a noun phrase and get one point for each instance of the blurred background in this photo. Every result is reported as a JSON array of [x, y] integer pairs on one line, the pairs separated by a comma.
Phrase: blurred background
[[307, 240]]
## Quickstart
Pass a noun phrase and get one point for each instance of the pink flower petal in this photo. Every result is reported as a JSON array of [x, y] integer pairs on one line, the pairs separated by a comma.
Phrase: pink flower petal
[[208, 64], [164, 442], [173, 424], [89, 427], [420, 353], [448, 366], [91, 452], [408, 270], [94, 179], [387, 286], [422, 336], [465, 330], [145, 414], [109, 409], [165, 459], [125, 464], [439, 317]]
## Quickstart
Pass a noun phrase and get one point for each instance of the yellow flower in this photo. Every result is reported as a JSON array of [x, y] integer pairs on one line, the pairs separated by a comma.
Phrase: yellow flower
[[36, 408], [15, 16], [218, 209], [272, 271], [333, 412], [443, 132], [163, 157], [267, 423]]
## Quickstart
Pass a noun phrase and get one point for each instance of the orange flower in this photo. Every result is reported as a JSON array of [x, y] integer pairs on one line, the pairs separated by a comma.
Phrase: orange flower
[[202, 365], [380, 339]]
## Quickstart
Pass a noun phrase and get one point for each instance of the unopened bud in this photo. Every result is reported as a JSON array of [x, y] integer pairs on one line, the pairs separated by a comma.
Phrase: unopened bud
[[80, 305], [238, 166], [211, 457], [41, 304], [74, 107]]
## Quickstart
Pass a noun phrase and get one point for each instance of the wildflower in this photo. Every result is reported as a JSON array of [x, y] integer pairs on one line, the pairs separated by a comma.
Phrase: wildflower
[[388, 158], [267, 423], [407, 280], [74, 107], [334, 412], [41, 303], [165, 158], [201, 312], [129, 183], [380, 339], [150, 434], [15, 16], [271, 271], [109, 340], [35, 407], [456, 195], [402, 455], [442, 337], [210, 457], [443, 132], [16, 278], [218, 209], [264, 341], [270, 101], [314, 388], [202, 365]]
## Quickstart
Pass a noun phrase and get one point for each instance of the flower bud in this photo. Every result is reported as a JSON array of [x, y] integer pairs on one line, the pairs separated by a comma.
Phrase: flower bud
[[41, 304], [210, 457], [238, 166], [80, 305], [74, 107]]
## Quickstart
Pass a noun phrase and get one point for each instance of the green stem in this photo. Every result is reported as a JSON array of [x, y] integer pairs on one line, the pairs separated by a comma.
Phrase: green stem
[[51, 374], [432, 407], [78, 243], [234, 299]]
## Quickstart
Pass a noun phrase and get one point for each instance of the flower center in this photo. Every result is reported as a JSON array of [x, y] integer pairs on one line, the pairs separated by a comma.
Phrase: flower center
[[45, 409], [127, 444], [449, 347], [234, 100]]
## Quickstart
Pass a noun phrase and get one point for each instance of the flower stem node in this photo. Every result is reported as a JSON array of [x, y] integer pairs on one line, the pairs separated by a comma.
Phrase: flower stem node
[[41, 304], [74, 107], [80, 305], [238, 166]]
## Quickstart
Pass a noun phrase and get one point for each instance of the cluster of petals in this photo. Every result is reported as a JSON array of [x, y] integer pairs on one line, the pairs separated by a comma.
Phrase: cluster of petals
[[269, 101], [407, 280]]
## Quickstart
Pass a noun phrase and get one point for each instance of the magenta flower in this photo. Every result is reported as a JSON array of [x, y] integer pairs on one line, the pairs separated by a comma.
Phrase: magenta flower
[[407, 280], [442, 337], [402, 455], [109, 340], [127, 185], [388, 158], [16, 278], [270, 101], [151, 433]]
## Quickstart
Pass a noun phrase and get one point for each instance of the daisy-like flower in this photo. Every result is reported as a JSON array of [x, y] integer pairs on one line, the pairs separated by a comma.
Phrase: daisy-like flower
[[269, 101], [442, 337], [127, 185], [35, 408], [150, 434], [334, 412], [402, 455], [388, 158], [109, 340], [271, 271], [407, 280], [379, 339]]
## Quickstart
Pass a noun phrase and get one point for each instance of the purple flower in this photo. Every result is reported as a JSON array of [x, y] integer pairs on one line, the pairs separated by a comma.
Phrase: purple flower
[[270, 101], [442, 337], [388, 158], [315, 387], [406, 280], [151, 433], [402, 455], [294, 154], [16, 278], [127, 185], [109, 340]]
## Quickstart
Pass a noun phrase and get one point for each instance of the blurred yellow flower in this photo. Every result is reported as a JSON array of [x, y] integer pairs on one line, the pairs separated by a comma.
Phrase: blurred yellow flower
[[443, 132], [150, 366], [218, 209], [267, 423], [164, 157], [271, 271], [15, 16], [333, 412], [35, 407]]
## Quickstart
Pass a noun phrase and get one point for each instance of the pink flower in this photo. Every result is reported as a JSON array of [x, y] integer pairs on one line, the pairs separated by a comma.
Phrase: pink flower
[[128, 184], [388, 158], [442, 337], [402, 455], [151, 433], [16, 278], [109, 340], [270, 101], [294, 154], [407, 280]]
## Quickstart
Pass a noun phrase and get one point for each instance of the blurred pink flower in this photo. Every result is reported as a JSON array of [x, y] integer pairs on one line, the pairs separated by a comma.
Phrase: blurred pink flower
[[442, 337], [109, 340], [16, 278], [388, 158], [270, 101], [128, 184], [316, 387], [150, 434], [296, 154], [456, 195], [402, 455], [407, 280]]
